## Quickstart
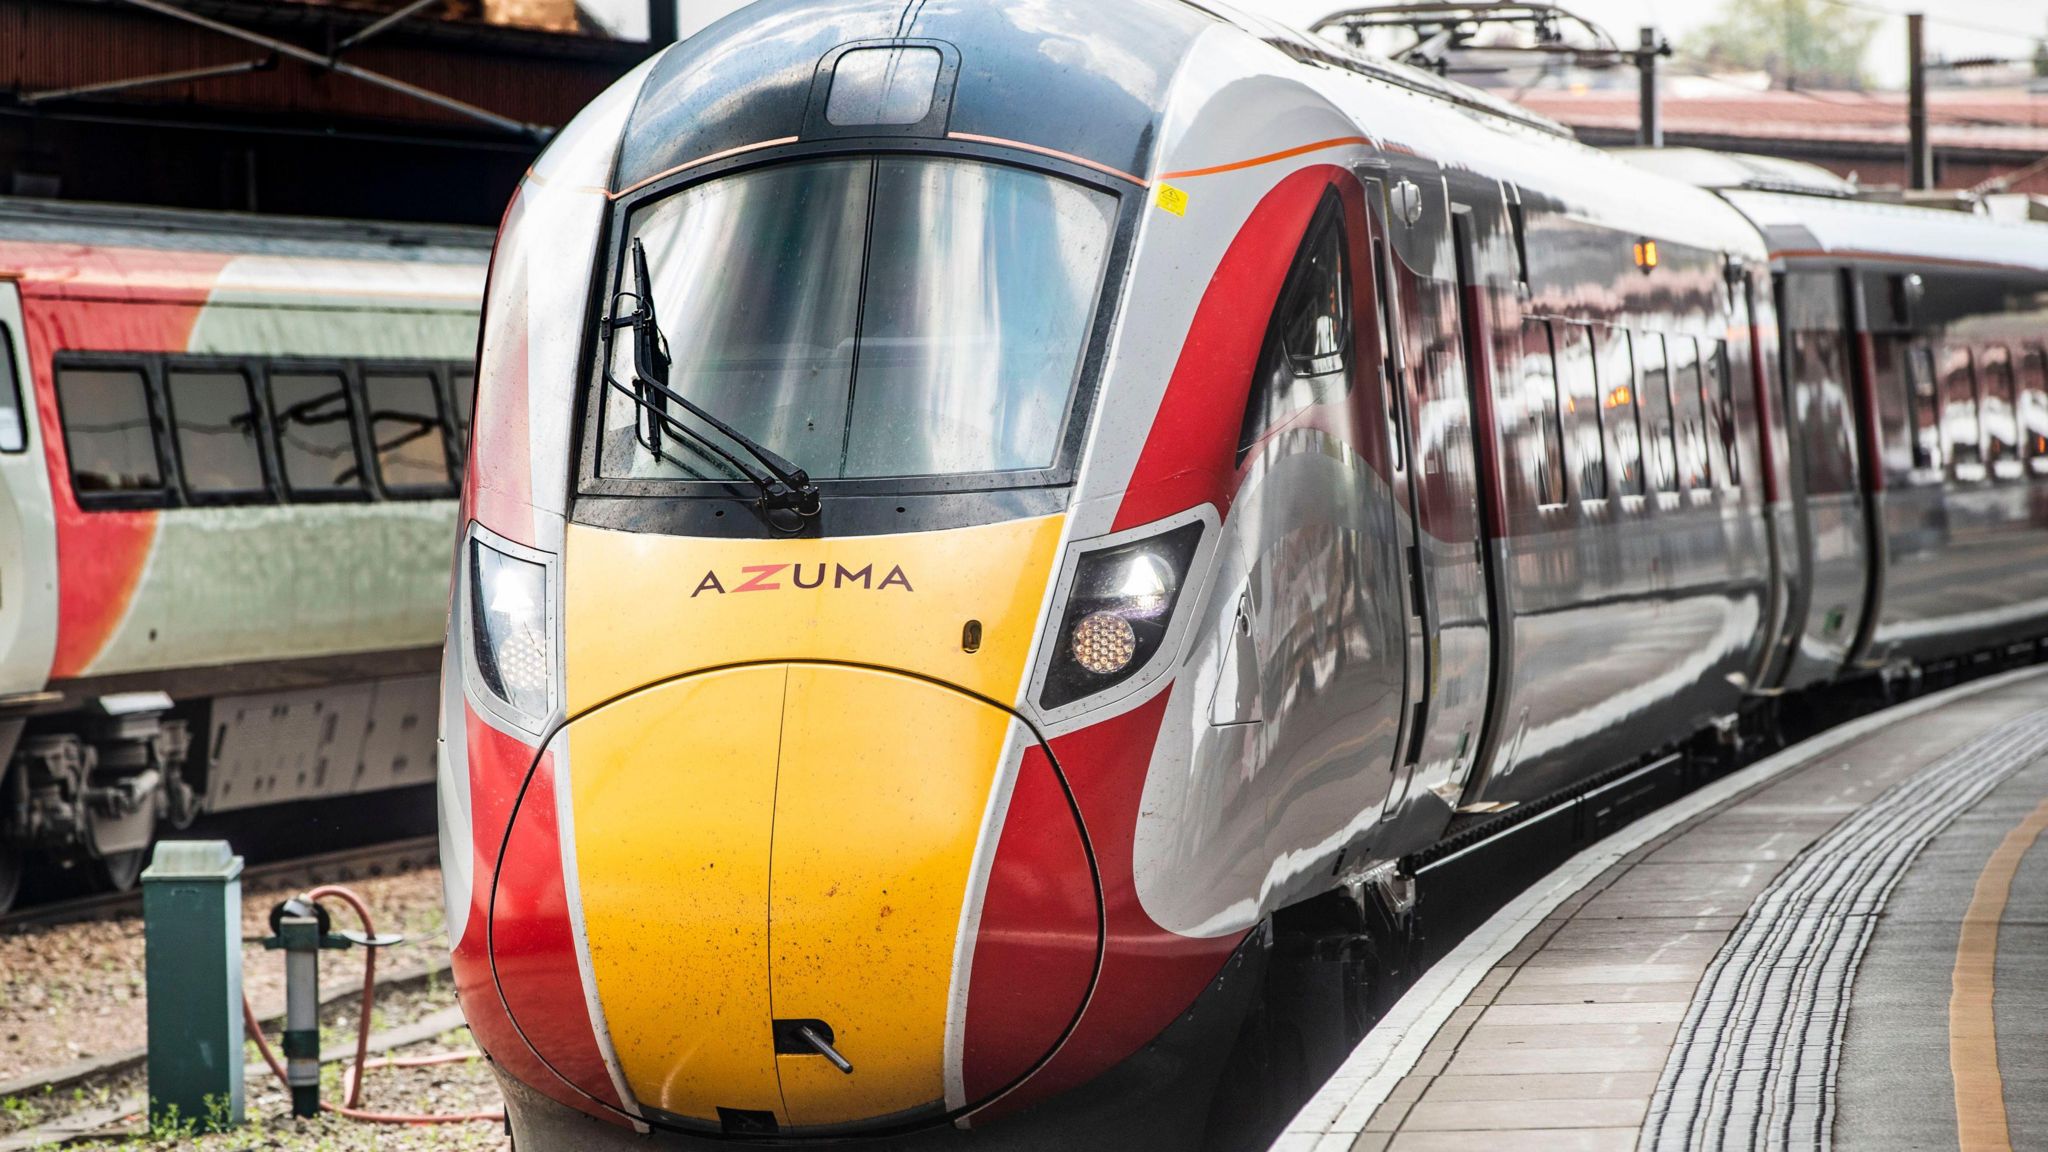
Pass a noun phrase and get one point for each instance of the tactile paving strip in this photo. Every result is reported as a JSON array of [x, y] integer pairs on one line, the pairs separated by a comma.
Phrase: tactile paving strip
[[1754, 1066]]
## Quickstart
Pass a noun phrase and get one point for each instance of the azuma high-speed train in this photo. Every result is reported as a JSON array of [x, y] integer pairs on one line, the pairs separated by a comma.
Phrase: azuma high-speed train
[[986, 519], [228, 451]]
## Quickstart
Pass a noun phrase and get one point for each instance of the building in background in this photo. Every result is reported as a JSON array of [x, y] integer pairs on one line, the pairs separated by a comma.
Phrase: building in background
[[1980, 136], [93, 106]]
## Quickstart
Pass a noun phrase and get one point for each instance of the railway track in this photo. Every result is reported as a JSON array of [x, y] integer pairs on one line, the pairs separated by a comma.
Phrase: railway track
[[321, 868]]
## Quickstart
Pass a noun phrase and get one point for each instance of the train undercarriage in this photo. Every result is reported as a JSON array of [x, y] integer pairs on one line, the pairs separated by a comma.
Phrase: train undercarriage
[[87, 791]]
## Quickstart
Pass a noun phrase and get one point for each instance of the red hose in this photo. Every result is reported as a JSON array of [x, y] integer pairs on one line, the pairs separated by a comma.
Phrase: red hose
[[363, 1062]]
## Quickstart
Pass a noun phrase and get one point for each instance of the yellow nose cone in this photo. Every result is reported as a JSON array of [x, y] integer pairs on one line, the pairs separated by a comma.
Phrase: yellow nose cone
[[782, 841]]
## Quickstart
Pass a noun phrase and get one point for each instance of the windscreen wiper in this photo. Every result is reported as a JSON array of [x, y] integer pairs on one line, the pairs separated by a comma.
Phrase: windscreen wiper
[[784, 486]]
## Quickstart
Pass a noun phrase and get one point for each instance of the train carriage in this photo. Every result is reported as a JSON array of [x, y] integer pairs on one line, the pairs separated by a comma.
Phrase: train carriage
[[993, 526], [230, 449]]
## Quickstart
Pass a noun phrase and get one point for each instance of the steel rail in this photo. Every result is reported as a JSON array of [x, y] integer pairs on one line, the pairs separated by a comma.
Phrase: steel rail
[[340, 864]]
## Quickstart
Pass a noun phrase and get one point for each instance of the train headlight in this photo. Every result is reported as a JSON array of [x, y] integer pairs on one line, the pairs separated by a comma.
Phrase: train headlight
[[1119, 606], [509, 628]]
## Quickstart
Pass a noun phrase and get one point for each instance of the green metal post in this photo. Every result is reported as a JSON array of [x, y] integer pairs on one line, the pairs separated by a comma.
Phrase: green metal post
[[192, 924]]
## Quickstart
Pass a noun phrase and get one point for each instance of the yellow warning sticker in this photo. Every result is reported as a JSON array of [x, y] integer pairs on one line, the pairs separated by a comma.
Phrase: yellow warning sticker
[[1173, 200]]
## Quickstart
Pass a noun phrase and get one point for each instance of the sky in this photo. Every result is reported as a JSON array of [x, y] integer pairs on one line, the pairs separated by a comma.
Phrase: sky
[[1954, 27]]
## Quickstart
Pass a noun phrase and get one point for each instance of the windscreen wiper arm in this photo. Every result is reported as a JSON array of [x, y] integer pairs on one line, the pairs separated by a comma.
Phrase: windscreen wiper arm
[[784, 487]]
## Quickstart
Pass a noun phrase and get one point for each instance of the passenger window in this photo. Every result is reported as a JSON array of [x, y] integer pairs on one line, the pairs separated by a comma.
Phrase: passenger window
[[1925, 408], [1998, 415], [1308, 346], [214, 415], [13, 421], [1579, 392], [406, 427], [1719, 390], [108, 431], [1542, 439], [316, 444], [1617, 376], [1818, 360], [1690, 413], [2034, 411], [1655, 399], [1960, 431]]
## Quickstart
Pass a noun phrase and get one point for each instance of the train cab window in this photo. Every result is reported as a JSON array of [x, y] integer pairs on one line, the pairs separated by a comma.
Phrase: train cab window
[[1540, 439], [1661, 444], [1578, 392], [213, 414], [870, 317], [316, 443], [2033, 411], [1997, 411], [108, 431], [1618, 411], [1924, 409], [13, 422], [1962, 436], [1718, 386], [406, 427], [1307, 356]]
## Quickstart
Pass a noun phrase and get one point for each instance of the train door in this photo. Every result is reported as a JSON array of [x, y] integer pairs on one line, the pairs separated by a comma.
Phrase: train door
[[1821, 411], [1475, 321], [28, 531], [1449, 624], [1401, 478]]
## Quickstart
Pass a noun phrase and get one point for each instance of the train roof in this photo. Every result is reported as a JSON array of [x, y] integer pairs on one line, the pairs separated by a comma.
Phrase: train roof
[[1806, 211], [31, 221], [1093, 75], [1796, 226]]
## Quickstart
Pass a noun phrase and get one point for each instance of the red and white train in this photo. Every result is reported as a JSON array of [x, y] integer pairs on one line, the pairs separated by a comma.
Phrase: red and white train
[[987, 521], [229, 449]]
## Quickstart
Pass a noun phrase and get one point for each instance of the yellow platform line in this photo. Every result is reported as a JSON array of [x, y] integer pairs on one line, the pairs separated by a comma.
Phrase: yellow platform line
[[1972, 1024]]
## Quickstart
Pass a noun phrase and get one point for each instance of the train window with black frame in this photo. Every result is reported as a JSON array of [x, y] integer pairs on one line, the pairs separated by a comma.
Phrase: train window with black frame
[[219, 433], [1962, 434], [1654, 397], [1541, 437], [1618, 410], [1924, 409], [13, 421], [1689, 412], [2033, 411], [1578, 391], [109, 432], [1718, 386], [1307, 356], [315, 435], [1997, 411], [408, 431]]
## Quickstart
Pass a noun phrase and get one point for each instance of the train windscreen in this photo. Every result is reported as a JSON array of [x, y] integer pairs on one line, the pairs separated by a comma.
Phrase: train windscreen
[[871, 316]]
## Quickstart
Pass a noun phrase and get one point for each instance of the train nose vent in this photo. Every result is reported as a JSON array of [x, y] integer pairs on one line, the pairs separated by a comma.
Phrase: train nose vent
[[770, 863]]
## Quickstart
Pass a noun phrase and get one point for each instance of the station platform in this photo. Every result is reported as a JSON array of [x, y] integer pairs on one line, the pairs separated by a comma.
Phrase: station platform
[[1844, 944]]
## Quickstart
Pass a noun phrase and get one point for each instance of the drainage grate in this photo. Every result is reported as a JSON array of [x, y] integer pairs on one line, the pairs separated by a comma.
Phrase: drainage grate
[[1755, 1062]]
